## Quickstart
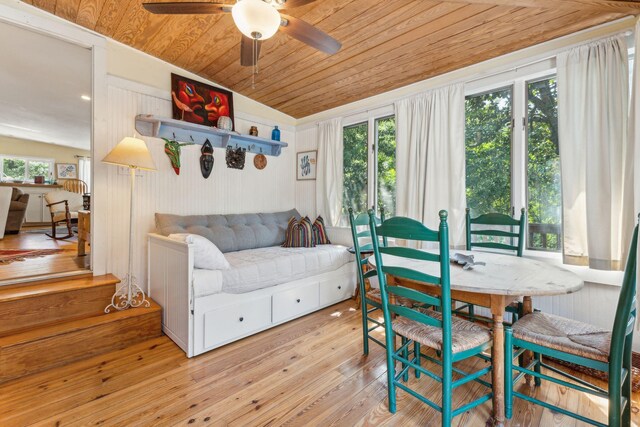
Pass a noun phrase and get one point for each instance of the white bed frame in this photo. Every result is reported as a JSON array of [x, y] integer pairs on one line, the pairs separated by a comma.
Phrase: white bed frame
[[201, 324]]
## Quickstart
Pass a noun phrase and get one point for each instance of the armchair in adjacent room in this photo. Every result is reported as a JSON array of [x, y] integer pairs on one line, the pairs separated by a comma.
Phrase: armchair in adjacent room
[[17, 211]]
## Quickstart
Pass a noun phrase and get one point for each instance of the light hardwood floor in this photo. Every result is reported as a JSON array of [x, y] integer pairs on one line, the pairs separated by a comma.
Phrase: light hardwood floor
[[64, 262], [308, 372]]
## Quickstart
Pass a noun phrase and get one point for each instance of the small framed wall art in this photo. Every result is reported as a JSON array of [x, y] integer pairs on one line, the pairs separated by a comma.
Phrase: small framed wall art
[[66, 170], [306, 165], [198, 102]]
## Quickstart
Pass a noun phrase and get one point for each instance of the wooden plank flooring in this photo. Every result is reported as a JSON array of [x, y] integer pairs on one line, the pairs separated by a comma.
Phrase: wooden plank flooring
[[308, 372], [63, 262]]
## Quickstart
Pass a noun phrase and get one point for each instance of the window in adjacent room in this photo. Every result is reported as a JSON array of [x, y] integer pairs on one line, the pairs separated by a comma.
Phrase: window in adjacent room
[[25, 168]]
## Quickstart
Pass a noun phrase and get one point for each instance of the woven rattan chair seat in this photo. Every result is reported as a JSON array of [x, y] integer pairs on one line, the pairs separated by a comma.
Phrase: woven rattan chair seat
[[560, 333], [464, 334]]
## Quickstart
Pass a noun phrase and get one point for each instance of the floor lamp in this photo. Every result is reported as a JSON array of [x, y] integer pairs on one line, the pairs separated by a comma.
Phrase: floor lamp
[[134, 154]]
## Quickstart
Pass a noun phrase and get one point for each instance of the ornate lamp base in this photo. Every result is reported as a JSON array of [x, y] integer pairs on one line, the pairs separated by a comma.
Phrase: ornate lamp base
[[128, 295]]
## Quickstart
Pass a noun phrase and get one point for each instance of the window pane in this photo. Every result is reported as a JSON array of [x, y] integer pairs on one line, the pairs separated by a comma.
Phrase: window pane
[[38, 168], [14, 168], [386, 131], [543, 167], [355, 169], [488, 152]]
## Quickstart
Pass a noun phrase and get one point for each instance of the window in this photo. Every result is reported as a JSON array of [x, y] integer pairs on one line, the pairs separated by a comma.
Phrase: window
[[25, 168], [510, 166], [543, 166], [369, 162], [488, 151]]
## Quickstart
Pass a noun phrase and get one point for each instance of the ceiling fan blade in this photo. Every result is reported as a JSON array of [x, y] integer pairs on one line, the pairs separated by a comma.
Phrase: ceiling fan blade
[[307, 33], [187, 8], [247, 58], [290, 4]]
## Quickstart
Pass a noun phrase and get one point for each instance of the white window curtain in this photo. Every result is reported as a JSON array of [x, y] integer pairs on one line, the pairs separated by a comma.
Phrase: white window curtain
[[593, 105], [430, 163], [84, 170], [329, 179]]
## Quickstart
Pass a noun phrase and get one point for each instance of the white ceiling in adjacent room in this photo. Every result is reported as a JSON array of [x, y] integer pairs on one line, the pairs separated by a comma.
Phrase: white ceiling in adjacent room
[[45, 88]]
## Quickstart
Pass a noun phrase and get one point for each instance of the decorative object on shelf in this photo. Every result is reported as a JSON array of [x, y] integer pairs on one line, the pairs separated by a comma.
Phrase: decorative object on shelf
[[235, 157], [466, 261], [253, 131], [66, 170], [260, 161], [206, 159], [257, 20], [172, 150], [200, 103], [38, 179], [306, 165], [275, 134], [225, 123], [160, 127], [134, 154]]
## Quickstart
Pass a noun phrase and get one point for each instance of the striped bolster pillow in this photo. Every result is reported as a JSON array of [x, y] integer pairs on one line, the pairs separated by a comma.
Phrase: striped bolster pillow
[[320, 232], [299, 234]]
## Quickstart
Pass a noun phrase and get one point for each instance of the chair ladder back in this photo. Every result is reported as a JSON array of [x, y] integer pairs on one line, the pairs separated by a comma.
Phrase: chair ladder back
[[622, 334], [497, 219], [412, 230]]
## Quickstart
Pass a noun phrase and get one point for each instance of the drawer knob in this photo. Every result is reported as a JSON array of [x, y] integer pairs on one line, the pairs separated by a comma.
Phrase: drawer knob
[[298, 300], [339, 287], [241, 319]]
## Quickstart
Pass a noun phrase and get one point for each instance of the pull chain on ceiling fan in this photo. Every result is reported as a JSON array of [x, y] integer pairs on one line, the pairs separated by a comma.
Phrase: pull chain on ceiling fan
[[257, 20]]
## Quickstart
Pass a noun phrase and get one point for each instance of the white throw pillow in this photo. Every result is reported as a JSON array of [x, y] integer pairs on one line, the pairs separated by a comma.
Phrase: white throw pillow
[[205, 254]]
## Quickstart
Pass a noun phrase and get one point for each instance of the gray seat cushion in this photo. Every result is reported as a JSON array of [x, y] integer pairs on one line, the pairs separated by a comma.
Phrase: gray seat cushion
[[230, 233]]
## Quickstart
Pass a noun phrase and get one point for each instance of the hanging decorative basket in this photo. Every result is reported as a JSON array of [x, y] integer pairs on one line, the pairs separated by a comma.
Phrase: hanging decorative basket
[[235, 157]]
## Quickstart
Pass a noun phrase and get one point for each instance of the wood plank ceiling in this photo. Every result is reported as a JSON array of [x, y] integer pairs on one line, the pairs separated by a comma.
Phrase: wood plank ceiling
[[385, 44]]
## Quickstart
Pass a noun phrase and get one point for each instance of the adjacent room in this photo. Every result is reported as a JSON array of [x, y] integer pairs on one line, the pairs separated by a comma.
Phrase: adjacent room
[[45, 154], [319, 213]]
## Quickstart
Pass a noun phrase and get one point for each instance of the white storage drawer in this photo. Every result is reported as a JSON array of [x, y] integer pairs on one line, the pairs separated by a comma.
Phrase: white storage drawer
[[293, 302], [334, 290], [231, 322]]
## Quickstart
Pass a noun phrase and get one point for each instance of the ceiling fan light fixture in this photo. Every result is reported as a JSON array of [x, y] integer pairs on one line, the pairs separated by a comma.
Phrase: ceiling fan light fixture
[[256, 19]]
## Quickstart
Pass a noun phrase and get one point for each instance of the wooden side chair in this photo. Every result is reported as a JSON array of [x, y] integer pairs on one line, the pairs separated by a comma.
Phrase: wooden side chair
[[582, 344], [515, 244], [76, 186], [370, 301], [63, 207], [455, 338]]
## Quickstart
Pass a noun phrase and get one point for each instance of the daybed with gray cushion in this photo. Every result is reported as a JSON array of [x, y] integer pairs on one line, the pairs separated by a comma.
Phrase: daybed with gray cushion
[[265, 284]]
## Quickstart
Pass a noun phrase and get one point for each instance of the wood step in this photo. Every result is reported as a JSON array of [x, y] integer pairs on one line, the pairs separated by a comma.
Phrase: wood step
[[29, 305], [58, 344]]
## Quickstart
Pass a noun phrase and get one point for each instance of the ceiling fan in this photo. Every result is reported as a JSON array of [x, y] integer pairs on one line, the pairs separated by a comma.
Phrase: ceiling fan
[[257, 20]]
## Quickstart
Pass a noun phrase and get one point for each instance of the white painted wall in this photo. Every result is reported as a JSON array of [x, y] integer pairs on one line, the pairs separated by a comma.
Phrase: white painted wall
[[225, 191]]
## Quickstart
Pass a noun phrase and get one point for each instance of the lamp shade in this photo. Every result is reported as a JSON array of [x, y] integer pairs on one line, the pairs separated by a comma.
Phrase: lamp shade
[[131, 152], [256, 19]]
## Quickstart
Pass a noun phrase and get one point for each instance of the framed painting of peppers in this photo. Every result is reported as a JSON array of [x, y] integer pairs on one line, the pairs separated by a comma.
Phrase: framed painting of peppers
[[199, 103]]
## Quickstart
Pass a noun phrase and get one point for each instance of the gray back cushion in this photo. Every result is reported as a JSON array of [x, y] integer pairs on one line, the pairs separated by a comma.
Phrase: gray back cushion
[[230, 232]]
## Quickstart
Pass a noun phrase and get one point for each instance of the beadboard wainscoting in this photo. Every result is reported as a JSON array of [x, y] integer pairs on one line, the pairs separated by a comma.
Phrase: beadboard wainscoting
[[225, 191]]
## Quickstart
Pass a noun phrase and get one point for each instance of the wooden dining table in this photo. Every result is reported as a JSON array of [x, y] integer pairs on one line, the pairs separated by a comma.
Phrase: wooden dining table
[[504, 279]]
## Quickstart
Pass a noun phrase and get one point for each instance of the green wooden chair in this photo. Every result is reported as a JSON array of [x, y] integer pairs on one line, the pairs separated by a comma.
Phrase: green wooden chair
[[582, 344], [370, 301], [455, 338], [515, 243]]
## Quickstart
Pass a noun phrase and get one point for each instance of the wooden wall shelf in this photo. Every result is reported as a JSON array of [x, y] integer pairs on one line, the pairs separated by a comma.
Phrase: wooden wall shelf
[[160, 127]]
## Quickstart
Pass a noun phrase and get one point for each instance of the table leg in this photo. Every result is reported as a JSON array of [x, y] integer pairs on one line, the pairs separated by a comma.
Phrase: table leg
[[498, 363], [527, 356]]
